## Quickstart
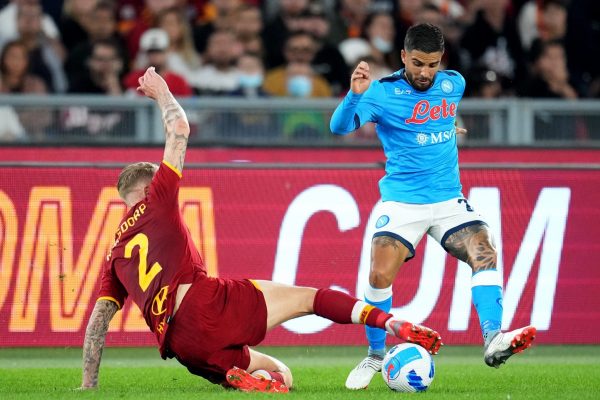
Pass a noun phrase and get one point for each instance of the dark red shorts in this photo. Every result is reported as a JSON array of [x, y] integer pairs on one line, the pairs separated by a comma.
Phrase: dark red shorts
[[216, 322]]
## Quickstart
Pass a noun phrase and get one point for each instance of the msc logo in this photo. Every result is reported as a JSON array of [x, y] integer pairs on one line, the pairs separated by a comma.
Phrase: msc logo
[[434, 137], [422, 139], [159, 302]]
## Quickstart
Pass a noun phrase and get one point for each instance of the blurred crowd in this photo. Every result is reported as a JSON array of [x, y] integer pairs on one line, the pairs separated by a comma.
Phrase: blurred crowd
[[292, 48]]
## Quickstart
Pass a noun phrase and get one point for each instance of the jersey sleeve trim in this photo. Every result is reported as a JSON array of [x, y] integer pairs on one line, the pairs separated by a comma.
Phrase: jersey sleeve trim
[[168, 164], [110, 299], [256, 284]]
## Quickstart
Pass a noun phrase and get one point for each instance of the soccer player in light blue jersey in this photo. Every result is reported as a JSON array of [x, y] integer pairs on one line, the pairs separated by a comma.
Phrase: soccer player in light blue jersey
[[415, 111]]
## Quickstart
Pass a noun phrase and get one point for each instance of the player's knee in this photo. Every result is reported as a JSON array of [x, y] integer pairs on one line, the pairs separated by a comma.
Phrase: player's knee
[[308, 299], [381, 278]]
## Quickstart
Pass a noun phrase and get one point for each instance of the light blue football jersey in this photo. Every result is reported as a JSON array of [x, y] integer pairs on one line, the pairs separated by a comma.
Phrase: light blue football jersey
[[417, 131]]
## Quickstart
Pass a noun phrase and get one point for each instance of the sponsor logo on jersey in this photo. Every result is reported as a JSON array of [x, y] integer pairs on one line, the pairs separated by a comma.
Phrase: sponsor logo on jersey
[[434, 137], [424, 112], [159, 302], [402, 91]]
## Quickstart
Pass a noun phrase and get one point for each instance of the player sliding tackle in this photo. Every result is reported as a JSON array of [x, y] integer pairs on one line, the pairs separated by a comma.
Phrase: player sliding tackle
[[207, 323], [421, 193]]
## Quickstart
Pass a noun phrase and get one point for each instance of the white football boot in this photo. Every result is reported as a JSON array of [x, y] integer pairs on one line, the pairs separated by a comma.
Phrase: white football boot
[[363, 373], [504, 345]]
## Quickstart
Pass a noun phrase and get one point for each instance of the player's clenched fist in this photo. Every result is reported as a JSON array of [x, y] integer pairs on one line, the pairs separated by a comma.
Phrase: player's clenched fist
[[361, 78], [152, 84]]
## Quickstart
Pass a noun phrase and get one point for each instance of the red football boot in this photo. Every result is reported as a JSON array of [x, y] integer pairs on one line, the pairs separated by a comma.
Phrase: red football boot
[[242, 380]]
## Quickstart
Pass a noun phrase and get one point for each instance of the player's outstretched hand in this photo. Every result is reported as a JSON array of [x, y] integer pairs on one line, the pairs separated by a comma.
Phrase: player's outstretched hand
[[361, 78], [152, 84], [461, 131]]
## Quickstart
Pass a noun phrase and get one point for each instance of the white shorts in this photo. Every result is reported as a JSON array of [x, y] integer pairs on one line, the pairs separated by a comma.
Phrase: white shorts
[[409, 222]]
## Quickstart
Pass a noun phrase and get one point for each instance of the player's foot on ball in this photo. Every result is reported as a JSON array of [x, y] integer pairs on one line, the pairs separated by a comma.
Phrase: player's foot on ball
[[504, 345], [242, 380], [363, 373], [417, 334]]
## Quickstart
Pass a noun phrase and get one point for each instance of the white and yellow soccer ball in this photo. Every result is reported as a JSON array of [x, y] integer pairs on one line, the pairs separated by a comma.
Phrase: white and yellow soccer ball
[[408, 367]]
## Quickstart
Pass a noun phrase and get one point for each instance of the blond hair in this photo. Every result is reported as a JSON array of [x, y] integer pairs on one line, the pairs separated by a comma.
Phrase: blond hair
[[132, 174]]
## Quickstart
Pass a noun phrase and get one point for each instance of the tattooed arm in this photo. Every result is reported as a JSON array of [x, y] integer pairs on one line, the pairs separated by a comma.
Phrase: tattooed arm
[[177, 128], [93, 344]]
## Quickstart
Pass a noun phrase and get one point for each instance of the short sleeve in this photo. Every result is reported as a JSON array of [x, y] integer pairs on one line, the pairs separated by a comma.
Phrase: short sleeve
[[110, 286], [165, 184]]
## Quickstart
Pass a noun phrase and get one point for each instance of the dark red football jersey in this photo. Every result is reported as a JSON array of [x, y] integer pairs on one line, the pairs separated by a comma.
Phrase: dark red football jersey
[[152, 254]]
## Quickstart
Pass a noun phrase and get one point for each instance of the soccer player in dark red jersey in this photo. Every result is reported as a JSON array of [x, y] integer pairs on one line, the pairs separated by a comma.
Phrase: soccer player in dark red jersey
[[206, 323]]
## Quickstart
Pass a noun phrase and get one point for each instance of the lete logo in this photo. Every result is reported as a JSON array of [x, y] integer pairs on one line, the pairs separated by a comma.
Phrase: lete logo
[[423, 112]]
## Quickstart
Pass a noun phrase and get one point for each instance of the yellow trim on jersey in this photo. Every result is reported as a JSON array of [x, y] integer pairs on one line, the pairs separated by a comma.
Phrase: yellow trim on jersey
[[256, 285], [110, 299], [168, 164]]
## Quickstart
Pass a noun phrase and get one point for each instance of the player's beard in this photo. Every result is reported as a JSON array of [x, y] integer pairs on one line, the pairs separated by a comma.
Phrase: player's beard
[[421, 85]]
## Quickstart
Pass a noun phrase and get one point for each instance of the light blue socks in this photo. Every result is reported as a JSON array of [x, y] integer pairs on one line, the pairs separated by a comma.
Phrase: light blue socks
[[486, 292], [380, 298]]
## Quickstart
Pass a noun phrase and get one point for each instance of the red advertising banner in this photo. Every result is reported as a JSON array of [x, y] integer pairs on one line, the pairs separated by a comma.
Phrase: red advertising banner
[[306, 227]]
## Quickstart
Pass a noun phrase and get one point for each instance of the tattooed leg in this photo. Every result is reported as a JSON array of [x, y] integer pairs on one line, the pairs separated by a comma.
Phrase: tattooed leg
[[473, 245]]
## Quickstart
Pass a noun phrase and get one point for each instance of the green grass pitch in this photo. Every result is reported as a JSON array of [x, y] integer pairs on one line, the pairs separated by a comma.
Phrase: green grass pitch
[[543, 372]]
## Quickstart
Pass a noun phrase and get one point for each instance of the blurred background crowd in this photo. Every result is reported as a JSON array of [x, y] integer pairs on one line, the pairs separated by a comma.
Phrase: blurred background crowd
[[292, 48]]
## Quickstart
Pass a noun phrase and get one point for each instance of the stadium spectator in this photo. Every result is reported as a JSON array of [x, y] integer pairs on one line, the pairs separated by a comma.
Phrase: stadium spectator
[[492, 41], [349, 18], [104, 67], [8, 22], [74, 25], [550, 76], [544, 19], [248, 24], [102, 76], [216, 15], [181, 55], [182, 304], [278, 29], [219, 74], [102, 26], [154, 44], [15, 67], [46, 55], [379, 31], [15, 78], [251, 76], [421, 190], [143, 21], [328, 61], [297, 78]]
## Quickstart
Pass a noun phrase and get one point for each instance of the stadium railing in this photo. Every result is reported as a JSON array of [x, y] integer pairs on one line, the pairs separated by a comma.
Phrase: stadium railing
[[280, 121]]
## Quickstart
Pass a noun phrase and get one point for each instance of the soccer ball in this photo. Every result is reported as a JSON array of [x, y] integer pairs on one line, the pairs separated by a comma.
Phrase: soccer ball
[[408, 367]]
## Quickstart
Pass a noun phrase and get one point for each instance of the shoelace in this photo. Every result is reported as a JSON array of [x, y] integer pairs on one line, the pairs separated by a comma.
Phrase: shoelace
[[371, 362]]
